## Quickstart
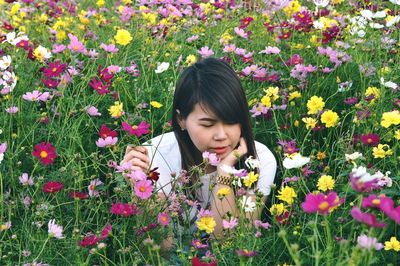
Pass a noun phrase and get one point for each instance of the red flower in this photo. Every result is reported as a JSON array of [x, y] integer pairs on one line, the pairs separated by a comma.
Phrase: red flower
[[106, 132], [197, 262], [45, 152], [52, 187], [24, 44], [153, 175], [244, 22], [78, 195], [370, 139], [104, 74], [141, 129], [89, 240], [50, 83]]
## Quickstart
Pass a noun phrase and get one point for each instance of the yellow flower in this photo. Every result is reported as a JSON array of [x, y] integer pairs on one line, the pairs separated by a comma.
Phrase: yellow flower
[[292, 8], [206, 223], [100, 3], [190, 59], [41, 53], [397, 134], [328, 22], [225, 38], [293, 95], [250, 179], [321, 155], [310, 122], [156, 104], [123, 37], [392, 244], [382, 151], [287, 194], [223, 192], [277, 209], [14, 9], [116, 110], [266, 101], [326, 182], [329, 118], [372, 91], [315, 104], [272, 92], [390, 118]]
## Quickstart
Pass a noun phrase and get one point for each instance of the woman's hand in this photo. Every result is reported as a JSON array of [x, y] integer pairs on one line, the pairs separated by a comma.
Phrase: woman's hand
[[138, 157], [233, 157]]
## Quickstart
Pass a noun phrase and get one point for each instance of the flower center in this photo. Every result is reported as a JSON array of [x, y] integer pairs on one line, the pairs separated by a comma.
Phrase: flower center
[[134, 127], [376, 202], [369, 140], [54, 69], [43, 154], [323, 206], [142, 189]]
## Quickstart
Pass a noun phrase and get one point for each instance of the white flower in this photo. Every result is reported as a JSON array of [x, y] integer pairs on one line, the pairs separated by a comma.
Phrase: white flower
[[55, 230], [230, 169], [389, 84], [247, 204], [1, 157], [376, 25], [162, 67], [396, 2], [369, 15], [353, 156], [295, 161], [5, 62], [12, 39], [318, 24], [252, 163], [392, 21], [321, 3], [92, 187]]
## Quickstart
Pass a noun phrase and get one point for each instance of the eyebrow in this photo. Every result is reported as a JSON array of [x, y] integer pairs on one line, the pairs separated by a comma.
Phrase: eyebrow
[[207, 119]]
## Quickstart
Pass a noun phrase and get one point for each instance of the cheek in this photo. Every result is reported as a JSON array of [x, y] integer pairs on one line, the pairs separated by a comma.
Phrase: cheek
[[199, 139]]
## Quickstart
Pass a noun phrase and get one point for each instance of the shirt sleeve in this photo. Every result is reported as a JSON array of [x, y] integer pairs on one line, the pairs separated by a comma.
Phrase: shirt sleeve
[[268, 167]]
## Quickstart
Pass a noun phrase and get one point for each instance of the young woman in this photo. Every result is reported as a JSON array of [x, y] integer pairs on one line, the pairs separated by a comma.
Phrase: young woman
[[210, 114]]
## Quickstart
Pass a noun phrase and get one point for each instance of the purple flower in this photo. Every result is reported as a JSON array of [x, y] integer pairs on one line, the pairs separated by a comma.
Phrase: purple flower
[[289, 147], [58, 48], [351, 100], [92, 111]]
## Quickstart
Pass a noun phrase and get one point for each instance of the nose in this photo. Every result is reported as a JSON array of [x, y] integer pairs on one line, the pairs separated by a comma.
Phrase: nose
[[220, 132]]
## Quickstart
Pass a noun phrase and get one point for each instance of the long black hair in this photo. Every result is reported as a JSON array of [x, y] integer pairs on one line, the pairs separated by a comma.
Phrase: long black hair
[[215, 86]]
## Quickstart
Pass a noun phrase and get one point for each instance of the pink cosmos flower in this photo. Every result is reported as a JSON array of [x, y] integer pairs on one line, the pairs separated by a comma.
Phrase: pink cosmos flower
[[92, 187], [192, 38], [3, 147], [106, 231], [231, 224], [241, 32], [36, 96], [196, 243], [106, 142], [163, 218], [26, 180], [58, 48], [321, 203], [270, 50], [75, 45], [93, 111], [144, 189], [139, 130], [111, 48], [258, 223], [12, 110], [113, 69], [369, 243], [211, 158], [367, 218], [205, 52], [137, 175], [55, 230], [230, 48], [125, 210]]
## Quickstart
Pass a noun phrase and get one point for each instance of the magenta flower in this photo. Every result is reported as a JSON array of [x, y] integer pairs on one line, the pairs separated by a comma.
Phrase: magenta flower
[[143, 189], [52, 187], [205, 52], [45, 152], [124, 210], [370, 139], [106, 231], [321, 203], [163, 218], [137, 130], [75, 45], [54, 69], [366, 218], [98, 86], [106, 142], [289, 147]]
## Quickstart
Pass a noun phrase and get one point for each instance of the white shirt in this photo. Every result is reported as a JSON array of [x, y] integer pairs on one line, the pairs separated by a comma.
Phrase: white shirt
[[164, 153]]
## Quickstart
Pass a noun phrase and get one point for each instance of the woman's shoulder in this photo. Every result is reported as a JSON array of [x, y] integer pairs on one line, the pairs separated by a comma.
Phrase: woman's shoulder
[[163, 143], [264, 154]]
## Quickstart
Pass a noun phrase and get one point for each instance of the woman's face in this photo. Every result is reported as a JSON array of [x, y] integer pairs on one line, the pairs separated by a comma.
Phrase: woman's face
[[208, 133]]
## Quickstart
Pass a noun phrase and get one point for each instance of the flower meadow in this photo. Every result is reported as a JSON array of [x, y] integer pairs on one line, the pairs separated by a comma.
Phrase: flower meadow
[[82, 80]]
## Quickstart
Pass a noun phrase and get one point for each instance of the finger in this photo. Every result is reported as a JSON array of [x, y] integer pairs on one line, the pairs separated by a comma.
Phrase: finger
[[139, 163], [141, 149], [242, 149], [136, 154]]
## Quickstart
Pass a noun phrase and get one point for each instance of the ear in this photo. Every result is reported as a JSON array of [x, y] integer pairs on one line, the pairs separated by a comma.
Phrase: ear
[[181, 121]]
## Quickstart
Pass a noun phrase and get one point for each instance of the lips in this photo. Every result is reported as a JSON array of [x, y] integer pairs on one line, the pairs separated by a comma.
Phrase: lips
[[220, 150]]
